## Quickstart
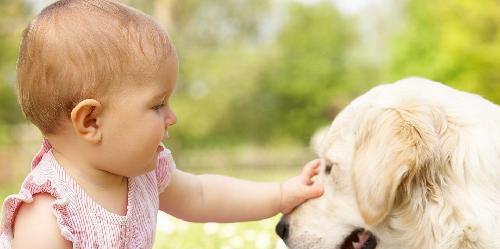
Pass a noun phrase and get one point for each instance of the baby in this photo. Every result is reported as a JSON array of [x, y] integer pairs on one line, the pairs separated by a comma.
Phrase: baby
[[95, 77]]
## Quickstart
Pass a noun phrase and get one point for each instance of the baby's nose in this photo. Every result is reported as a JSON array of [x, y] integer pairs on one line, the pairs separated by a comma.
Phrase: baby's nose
[[171, 119]]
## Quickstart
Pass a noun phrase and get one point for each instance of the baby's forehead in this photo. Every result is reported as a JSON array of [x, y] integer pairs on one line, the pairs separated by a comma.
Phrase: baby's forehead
[[160, 69], [159, 78]]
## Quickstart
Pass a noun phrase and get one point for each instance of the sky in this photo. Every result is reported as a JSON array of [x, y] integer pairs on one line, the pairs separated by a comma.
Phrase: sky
[[348, 7]]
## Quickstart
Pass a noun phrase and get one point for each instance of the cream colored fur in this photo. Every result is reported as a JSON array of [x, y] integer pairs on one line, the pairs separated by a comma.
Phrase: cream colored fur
[[415, 162]]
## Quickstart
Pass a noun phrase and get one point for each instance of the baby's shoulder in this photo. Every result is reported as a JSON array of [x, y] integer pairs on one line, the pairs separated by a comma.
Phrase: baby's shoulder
[[46, 233]]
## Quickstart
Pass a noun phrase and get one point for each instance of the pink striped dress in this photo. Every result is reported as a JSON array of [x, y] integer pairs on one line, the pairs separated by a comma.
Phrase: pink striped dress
[[81, 220]]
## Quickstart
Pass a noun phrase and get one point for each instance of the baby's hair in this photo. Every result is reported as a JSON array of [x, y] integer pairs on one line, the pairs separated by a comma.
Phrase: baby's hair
[[79, 49]]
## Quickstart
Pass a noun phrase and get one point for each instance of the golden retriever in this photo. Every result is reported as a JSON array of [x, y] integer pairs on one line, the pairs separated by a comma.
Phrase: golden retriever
[[409, 165]]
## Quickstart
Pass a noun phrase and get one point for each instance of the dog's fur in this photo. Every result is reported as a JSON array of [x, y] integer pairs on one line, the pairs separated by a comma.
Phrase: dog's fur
[[415, 162]]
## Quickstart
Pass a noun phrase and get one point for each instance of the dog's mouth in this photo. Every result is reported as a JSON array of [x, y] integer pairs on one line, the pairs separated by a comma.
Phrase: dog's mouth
[[359, 239]]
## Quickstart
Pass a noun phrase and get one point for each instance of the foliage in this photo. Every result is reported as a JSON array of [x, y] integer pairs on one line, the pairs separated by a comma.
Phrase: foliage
[[452, 41], [277, 91], [11, 23], [309, 70]]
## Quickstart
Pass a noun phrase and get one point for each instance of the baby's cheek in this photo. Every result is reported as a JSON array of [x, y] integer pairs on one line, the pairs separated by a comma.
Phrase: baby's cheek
[[157, 133]]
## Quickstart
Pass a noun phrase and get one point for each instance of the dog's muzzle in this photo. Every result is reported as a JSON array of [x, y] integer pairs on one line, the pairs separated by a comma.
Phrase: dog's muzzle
[[358, 239], [282, 229]]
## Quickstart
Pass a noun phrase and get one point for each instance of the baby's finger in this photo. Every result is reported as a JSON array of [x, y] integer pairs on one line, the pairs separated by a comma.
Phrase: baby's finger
[[315, 191], [310, 170]]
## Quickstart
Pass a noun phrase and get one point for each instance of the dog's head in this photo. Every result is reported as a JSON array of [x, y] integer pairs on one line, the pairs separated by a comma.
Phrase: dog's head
[[385, 153]]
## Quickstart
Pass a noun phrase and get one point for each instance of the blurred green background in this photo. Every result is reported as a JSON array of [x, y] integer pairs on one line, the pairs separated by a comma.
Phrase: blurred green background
[[257, 78]]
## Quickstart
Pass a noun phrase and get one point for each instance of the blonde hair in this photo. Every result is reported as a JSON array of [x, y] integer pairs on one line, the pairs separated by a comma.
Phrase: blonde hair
[[79, 49]]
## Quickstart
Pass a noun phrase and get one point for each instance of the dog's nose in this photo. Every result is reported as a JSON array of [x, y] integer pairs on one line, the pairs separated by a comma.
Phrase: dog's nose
[[282, 229]]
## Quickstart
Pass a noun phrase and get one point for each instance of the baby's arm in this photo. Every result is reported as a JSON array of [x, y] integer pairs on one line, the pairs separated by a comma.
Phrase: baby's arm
[[216, 198], [36, 227]]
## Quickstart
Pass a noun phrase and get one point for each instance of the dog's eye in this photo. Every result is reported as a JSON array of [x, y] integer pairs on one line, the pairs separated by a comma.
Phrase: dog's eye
[[328, 167]]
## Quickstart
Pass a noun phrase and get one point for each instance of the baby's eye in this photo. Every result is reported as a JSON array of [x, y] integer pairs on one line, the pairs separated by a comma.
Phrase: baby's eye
[[158, 107], [162, 104]]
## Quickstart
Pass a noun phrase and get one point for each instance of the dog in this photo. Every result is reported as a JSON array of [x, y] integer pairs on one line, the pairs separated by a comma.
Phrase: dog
[[414, 165]]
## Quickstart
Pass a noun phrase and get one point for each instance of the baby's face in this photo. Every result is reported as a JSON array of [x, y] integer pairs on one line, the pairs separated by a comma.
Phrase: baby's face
[[137, 121]]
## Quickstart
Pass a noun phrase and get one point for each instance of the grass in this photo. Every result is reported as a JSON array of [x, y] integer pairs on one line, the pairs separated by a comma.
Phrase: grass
[[176, 234]]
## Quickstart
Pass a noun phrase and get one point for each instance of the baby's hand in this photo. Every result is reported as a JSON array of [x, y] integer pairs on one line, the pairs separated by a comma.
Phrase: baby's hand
[[298, 189]]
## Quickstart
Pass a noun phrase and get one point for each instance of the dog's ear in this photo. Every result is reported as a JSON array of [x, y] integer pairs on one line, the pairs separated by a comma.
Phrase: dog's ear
[[395, 153], [317, 140]]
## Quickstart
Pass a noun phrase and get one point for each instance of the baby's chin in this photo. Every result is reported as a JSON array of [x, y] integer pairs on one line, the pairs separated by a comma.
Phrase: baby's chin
[[149, 166], [153, 161], [152, 165]]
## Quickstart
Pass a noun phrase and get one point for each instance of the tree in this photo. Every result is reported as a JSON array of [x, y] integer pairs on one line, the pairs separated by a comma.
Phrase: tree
[[218, 48], [453, 41], [12, 21], [236, 87], [297, 90]]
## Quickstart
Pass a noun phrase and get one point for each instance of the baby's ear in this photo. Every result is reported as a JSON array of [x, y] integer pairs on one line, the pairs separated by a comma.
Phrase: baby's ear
[[85, 120]]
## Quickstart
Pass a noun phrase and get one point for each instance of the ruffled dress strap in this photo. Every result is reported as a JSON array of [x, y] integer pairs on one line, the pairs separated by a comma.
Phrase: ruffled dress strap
[[46, 147], [42, 179], [165, 168]]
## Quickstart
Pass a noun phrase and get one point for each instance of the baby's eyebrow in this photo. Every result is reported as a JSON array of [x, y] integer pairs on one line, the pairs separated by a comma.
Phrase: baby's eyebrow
[[161, 94]]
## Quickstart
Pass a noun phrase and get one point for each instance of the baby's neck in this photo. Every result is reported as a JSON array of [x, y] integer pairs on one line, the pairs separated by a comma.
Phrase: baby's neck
[[107, 189], [88, 174]]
